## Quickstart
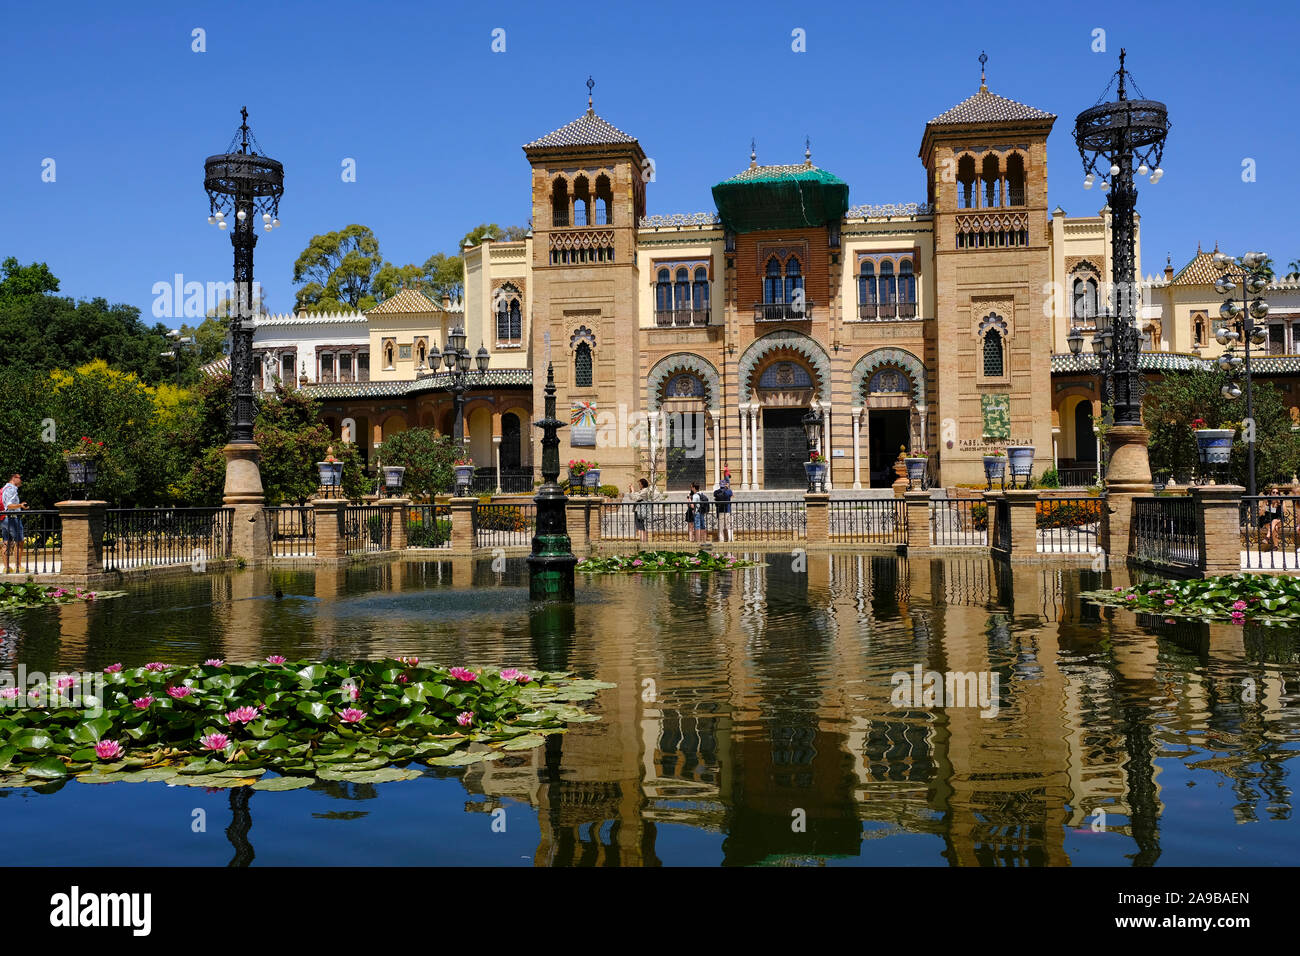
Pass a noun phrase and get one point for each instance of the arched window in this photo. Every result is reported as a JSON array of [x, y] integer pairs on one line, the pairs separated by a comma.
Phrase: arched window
[[516, 320], [581, 201], [793, 279], [663, 297], [867, 286], [993, 363], [906, 282], [582, 366], [700, 295], [966, 182], [681, 289], [989, 177], [1015, 180], [420, 352], [388, 355], [604, 201], [509, 315], [888, 284], [772, 288], [560, 203], [1077, 294]]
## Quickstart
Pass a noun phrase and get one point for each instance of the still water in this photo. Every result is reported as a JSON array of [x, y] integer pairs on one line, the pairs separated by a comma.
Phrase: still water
[[752, 722]]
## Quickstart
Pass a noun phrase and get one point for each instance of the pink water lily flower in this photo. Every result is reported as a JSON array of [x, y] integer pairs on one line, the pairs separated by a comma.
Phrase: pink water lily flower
[[1131, 597], [142, 703], [9, 693], [464, 718], [510, 674], [355, 691], [1239, 605], [350, 715], [214, 662], [275, 659], [637, 563], [215, 742], [63, 683], [1169, 602], [242, 715], [461, 673], [410, 661], [155, 666], [112, 668], [178, 692], [108, 750]]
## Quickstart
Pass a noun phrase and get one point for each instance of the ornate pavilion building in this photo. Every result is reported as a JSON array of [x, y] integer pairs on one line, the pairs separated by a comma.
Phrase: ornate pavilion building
[[936, 326]]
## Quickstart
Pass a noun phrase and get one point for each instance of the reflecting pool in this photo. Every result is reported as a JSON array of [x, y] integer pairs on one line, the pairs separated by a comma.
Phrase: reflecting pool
[[757, 719]]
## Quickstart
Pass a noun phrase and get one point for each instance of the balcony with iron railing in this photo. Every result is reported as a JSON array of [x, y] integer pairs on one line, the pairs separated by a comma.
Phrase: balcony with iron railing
[[886, 311], [679, 318], [783, 311]]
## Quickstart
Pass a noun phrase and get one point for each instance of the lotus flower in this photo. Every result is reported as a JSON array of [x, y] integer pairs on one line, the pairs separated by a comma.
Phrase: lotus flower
[[242, 715], [350, 715], [155, 666], [9, 693], [108, 750], [275, 659], [112, 668], [1239, 605], [179, 692], [142, 703], [464, 718], [215, 742], [213, 662], [461, 673]]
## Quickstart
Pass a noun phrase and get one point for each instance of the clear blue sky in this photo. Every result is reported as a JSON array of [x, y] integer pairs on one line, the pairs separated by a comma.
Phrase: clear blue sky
[[435, 119]]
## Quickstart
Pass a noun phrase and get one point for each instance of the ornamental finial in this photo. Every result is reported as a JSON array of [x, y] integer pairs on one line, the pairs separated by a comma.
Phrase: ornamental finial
[[984, 58], [243, 129], [591, 85], [753, 154], [807, 151]]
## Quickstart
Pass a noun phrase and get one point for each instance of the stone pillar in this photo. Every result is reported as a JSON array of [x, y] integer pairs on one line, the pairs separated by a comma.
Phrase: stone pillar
[[593, 519], [856, 414], [756, 411], [917, 504], [744, 447], [330, 542], [496, 459], [1128, 476], [576, 515], [826, 444], [397, 541], [1218, 519], [1024, 519], [462, 525], [717, 445], [818, 505], [249, 538], [83, 537]]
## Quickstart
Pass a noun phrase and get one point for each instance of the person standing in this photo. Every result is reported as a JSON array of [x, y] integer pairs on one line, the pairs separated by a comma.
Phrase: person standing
[[642, 494], [722, 495], [11, 523]]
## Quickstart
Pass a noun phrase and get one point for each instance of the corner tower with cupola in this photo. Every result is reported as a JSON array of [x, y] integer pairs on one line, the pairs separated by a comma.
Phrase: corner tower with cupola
[[986, 166], [589, 191]]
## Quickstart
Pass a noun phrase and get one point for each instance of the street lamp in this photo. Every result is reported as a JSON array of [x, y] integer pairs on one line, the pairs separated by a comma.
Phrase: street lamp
[[1112, 139], [179, 344], [812, 427], [456, 358], [1239, 325], [243, 186]]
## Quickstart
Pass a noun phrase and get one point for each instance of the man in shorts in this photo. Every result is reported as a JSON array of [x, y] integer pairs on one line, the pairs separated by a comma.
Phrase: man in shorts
[[11, 522]]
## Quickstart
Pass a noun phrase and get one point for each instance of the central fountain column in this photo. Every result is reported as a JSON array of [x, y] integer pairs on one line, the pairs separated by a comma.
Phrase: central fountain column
[[550, 566]]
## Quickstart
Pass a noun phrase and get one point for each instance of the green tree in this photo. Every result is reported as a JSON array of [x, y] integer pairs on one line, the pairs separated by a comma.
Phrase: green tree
[[293, 439], [27, 442], [17, 280], [427, 458], [339, 269], [1173, 403]]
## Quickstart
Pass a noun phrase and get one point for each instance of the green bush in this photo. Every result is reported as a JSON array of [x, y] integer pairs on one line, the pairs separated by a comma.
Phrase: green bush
[[422, 535], [1049, 479]]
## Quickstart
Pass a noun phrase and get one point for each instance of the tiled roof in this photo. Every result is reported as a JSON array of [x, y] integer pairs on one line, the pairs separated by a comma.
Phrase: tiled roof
[[1065, 363], [493, 378], [1200, 271], [408, 300], [986, 107], [587, 130], [792, 171], [220, 367]]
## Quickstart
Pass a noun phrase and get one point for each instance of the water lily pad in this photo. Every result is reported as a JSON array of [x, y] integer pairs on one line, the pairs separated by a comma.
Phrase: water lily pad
[[284, 783], [386, 775], [527, 742]]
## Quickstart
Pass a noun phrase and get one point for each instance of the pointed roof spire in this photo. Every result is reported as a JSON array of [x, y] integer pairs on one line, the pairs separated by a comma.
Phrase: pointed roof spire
[[984, 58], [807, 151], [753, 154], [591, 85]]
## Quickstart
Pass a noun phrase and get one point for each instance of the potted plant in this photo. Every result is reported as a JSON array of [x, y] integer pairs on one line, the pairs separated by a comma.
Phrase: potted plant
[[915, 463], [331, 470], [591, 477], [1022, 461], [393, 478], [1213, 445], [577, 469], [82, 461], [464, 468], [815, 467], [995, 466]]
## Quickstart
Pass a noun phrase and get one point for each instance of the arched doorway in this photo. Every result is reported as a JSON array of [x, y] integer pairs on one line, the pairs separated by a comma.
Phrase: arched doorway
[[1085, 444], [510, 431], [682, 389], [786, 388]]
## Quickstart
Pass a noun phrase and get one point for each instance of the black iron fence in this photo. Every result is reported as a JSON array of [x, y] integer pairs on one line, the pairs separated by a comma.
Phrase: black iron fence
[[144, 537], [513, 481], [1270, 533], [366, 528], [504, 526], [428, 526], [778, 519], [291, 530], [31, 542], [670, 521], [868, 520], [1068, 525], [959, 522], [657, 521], [1077, 477], [1166, 532]]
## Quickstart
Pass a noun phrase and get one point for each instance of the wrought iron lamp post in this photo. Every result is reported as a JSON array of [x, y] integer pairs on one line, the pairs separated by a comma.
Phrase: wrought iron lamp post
[[457, 358], [1239, 325], [812, 427], [1112, 139], [243, 187], [551, 563]]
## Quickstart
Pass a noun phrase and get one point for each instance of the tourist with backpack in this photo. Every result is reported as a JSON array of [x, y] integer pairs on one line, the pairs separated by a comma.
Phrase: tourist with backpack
[[697, 510], [722, 495]]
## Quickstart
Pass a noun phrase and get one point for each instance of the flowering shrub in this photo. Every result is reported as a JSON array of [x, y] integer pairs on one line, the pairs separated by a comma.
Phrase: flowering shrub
[[349, 721], [580, 466], [1049, 513]]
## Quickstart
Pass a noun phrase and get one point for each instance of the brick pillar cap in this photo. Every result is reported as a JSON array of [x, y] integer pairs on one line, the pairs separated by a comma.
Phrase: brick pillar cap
[[1015, 494], [1220, 492], [79, 505], [917, 494]]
